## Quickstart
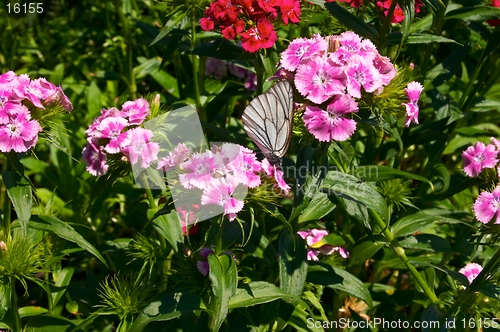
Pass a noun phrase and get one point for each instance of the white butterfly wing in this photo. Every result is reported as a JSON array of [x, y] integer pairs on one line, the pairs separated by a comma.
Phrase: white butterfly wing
[[268, 120]]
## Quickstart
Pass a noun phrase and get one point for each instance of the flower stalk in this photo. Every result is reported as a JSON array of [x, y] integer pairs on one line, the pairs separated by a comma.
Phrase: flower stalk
[[400, 252]]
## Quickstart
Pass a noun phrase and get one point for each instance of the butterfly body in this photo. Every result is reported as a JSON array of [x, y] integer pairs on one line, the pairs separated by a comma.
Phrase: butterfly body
[[268, 121]]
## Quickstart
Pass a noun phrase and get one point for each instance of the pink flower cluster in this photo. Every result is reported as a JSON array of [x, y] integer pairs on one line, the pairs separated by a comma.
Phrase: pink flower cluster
[[475, 159], [330, 73], [119, 132], [219, 172], [18, 95], [219, 69], [314, 239]]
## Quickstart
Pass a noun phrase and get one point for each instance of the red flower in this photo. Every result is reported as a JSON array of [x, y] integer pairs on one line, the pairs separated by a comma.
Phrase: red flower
[[207, 24], [231, 31], [261, 36], [353, 3], [494, 23], [398, 15], [290, 9]]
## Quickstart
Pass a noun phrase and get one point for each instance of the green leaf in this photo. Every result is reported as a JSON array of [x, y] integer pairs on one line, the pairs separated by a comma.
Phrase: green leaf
[[282, 218], [351, 22], [427, 38], [258, 292], [336, 278], [428, 242], [293, 263], [364, 251], [384, 173], [349, 187], [49, 323], [477, 13], [462, 279], [222, 49], [416, 222], [169, 226], [173, 22], [31, 311], [167, 81], [65, 231], [19, 191], [319, 207], [62, 279], [224, 278], [169, 307], [94, 103], [5, 297]]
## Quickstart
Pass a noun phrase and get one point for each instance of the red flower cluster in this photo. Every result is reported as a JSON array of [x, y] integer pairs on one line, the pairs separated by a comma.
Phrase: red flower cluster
[[398, 15], [494, 23], [250, 19]]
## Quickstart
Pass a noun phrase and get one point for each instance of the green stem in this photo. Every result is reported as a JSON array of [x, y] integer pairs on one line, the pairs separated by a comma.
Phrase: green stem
[[195, 64], [400, 252], [15, 310], [259, 71], [385, 26]]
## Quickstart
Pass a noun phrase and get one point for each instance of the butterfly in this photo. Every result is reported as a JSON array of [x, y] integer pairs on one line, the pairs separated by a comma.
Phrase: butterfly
[[268, 121]]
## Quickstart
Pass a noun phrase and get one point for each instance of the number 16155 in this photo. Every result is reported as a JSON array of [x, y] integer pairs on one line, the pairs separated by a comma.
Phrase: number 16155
[[25, 8]]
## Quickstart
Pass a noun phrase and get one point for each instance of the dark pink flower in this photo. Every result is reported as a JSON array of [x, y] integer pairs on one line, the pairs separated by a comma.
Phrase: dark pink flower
[[478, 157], [277, 174], [413, 91], [112, 128], [95, 159], [360, 72]]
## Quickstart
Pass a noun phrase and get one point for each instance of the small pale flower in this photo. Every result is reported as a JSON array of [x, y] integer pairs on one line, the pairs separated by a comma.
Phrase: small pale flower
[[175, 158], [471, 271], [413, 91], [478, 157], [487, 206], [273, 171]]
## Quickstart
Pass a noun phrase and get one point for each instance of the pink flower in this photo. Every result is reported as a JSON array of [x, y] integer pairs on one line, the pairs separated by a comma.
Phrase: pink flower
[[216, 67], [329, 250], [301, 49], [199, 169], [312, 255], [251, 81], [313, 236], [412, 91], [175, 158], [112, 128], [136, 111], [471, 271], [478, 157], [244, 168], [273, 171], [487, 206], [18, 132], [105, 113], [220, 192], [331, 124], [318, 80], [140, 148], [95, 159], [360, 72], [236, 70], [349, 45]]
